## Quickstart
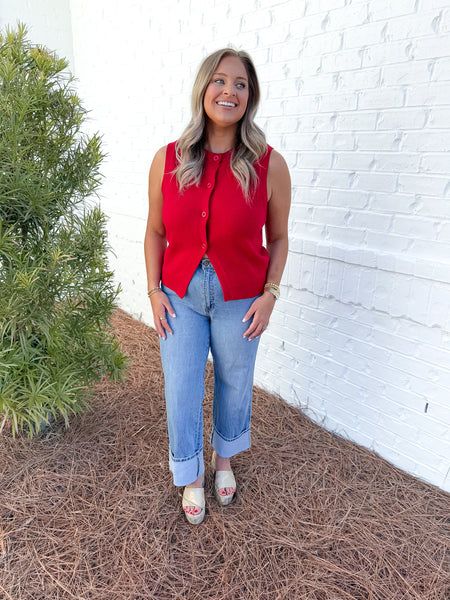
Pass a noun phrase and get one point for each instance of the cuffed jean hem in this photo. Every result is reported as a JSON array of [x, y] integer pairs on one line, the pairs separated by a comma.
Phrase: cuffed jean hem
[[228, 448], [186, 470]]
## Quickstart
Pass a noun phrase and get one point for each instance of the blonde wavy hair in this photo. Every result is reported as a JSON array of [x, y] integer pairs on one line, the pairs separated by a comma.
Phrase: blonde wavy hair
[[250, 141]]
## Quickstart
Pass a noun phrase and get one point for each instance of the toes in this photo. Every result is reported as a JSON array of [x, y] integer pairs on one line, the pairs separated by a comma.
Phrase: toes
[[226, 491], [191, 510]]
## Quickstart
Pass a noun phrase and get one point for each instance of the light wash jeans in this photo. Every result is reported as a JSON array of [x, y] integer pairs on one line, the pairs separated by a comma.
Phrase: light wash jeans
[[204, 321]]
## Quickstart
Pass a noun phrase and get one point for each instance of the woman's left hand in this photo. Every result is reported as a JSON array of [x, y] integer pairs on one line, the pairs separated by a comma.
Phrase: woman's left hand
[[260, 310]]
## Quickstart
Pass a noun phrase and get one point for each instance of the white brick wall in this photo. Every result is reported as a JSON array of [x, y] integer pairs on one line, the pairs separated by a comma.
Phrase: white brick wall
[[48, 22], [356, 95]]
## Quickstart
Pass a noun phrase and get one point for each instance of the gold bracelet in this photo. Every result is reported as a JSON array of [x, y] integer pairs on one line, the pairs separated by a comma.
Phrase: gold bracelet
[[275, 286], [274, 289], [153, 291]]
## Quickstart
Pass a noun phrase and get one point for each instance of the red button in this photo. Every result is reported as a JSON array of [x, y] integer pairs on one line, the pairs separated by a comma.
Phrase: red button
[[203, 246], [203, 214], [209, 185], [216, 157]]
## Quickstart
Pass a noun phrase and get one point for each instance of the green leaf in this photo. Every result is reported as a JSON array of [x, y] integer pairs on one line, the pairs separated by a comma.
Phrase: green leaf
[[56, 290]]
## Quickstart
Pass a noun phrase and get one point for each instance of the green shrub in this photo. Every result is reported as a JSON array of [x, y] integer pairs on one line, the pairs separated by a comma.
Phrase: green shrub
[[56, 292]]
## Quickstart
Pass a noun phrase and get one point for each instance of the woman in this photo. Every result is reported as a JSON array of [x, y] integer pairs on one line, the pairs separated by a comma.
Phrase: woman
[[212, 284]]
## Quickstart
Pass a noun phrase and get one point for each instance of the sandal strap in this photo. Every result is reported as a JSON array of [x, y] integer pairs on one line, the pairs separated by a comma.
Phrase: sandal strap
[[194, 497], [225, 479]]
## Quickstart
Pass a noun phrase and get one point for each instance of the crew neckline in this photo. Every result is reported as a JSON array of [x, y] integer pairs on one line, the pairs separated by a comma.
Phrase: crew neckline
[[218, 153]]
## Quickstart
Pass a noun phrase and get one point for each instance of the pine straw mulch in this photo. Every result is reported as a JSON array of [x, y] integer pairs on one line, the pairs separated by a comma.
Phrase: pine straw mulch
[[91, 512]]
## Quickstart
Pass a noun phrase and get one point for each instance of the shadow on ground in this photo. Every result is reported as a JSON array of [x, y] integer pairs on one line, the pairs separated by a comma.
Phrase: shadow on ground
[[91, 512]]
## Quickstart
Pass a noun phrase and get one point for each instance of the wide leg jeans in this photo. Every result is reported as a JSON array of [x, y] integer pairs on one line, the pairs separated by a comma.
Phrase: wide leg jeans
[[205, 322]]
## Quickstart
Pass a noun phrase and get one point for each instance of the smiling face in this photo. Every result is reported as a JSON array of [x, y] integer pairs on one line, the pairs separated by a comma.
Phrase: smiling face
[[226, 96]]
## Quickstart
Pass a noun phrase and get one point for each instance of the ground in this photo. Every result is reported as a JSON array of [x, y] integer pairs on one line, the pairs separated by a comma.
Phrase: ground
[[90, 512]]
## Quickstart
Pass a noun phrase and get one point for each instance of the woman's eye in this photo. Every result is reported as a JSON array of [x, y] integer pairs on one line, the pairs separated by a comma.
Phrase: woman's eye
[[241, 86], [219, 81]]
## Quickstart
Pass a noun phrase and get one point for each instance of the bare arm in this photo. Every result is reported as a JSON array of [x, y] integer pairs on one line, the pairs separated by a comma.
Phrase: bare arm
[[279, 195], [155, 244]]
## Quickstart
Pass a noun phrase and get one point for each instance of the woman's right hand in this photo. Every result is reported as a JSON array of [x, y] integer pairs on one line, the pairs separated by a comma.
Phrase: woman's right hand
[[160, 306], [155, 244]]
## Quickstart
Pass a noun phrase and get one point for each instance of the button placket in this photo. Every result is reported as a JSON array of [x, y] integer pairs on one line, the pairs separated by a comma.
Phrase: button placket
[[210, 174]]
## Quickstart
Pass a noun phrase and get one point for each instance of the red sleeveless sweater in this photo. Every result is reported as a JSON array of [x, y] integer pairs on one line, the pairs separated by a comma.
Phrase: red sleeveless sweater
[[215, 218]]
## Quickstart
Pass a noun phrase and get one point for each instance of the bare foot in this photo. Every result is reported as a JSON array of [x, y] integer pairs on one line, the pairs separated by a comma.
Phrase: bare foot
[[223, 464], [194, 510]]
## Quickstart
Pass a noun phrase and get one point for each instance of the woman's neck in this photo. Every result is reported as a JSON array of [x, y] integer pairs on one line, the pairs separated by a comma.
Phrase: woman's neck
[[220, 140]]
